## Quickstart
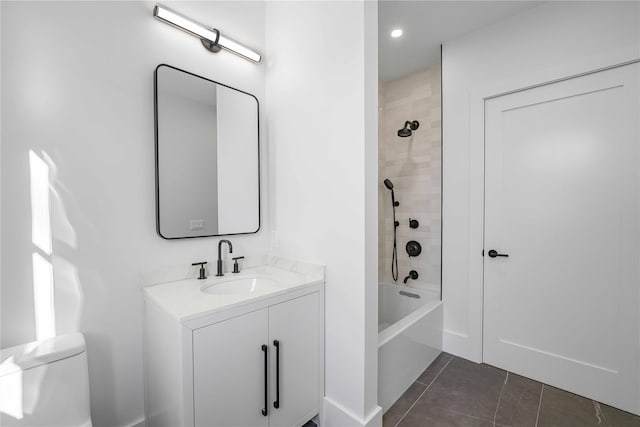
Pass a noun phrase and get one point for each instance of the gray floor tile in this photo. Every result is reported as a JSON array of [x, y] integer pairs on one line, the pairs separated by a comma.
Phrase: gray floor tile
[[429, 416], [466, 388], [563, 409], [469, 394], [518, 405], [402, 405], [617, 418], [434, 369]]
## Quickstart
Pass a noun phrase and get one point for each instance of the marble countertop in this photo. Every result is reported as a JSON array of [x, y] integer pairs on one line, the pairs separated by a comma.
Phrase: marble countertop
[[184, 300]]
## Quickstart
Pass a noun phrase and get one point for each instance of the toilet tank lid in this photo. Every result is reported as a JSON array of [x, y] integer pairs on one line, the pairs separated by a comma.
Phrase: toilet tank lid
[[36, 353]]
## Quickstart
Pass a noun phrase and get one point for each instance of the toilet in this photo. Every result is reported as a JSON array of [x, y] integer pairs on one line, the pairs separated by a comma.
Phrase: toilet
[[45, 383]]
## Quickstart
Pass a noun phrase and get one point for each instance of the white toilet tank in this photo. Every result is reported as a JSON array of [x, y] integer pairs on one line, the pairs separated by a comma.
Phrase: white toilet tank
[[45, 383]]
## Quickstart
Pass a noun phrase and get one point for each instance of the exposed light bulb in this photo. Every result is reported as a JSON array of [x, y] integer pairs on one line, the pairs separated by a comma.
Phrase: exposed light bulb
[[396, 33]]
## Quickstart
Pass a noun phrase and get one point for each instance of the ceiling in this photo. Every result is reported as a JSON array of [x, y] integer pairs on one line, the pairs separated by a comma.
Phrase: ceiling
[[427, 24]]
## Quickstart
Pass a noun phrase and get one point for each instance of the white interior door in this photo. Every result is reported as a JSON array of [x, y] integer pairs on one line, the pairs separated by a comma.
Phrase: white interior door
[[561, 199]]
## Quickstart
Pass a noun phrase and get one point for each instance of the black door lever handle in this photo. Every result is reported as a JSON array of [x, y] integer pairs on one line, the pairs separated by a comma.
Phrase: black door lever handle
[[493, 253]]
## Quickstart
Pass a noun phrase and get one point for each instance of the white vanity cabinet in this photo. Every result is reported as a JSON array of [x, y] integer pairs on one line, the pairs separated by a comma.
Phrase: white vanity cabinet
[[276, 348], [214, 370], [228, 371]]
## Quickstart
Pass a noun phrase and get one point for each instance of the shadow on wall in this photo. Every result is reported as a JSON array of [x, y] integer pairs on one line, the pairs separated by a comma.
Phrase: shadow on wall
[[57, 292]]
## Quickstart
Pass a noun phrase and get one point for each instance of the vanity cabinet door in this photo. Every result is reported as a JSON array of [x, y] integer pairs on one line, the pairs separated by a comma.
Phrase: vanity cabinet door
[[229, 372], [295, 325]]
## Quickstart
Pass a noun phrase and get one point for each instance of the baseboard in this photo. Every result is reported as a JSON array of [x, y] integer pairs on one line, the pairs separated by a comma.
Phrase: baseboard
[[335, 415]]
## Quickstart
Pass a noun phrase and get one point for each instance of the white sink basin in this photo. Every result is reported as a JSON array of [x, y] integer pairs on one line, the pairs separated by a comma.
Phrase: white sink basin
[[241, 285]]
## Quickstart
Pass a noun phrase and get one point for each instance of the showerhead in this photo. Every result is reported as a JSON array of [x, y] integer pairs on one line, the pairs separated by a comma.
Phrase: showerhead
[[389, 185], [408, 127], [404, 132]]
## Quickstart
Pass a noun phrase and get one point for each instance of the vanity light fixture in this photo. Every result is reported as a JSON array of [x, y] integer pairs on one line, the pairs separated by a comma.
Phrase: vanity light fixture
[[211, 38]]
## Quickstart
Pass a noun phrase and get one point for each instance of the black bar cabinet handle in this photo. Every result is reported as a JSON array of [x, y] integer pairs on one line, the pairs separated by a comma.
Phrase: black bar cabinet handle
[[493, 253], [276, 404], [265, 412]]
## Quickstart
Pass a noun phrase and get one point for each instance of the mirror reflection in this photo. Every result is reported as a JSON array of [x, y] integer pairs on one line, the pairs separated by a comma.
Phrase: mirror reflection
[[207, 157]]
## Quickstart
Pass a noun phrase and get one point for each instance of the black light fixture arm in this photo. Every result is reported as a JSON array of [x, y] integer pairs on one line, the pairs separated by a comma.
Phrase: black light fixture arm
[[212, 45]]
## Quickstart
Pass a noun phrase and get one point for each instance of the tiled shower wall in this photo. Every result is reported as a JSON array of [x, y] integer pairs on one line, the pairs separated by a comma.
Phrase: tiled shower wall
[[413, 164]]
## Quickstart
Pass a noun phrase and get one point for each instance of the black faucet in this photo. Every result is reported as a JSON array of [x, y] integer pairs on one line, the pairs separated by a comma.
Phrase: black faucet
[[219, 271], [412, 275]]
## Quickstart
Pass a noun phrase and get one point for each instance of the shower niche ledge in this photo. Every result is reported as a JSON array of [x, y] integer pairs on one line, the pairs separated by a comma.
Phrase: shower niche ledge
[[245, 358]]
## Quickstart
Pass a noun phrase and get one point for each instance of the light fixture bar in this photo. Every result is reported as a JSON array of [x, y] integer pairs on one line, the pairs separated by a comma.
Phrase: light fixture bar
[[239, 49], [185, 24], [211, 38]]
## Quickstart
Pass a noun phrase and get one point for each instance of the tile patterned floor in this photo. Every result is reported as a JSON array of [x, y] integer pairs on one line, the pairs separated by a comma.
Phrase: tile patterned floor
[[456, 392]]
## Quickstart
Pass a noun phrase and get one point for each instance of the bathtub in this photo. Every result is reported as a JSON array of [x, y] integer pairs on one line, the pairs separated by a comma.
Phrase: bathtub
[[409, 338]]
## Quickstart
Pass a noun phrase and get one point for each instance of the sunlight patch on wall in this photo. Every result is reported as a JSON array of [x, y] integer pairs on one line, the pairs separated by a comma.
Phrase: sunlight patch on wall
[[43, 291], [61, 228], [69, 298], [11, 390], [43, 298], [40, 211]]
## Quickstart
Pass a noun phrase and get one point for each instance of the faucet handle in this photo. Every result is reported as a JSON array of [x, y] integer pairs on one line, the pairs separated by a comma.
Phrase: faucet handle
[[202, 271], [236, 268]]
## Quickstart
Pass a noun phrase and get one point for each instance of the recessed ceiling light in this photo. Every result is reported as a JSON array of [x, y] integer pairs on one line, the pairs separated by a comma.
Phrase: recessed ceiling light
[[396, 33]]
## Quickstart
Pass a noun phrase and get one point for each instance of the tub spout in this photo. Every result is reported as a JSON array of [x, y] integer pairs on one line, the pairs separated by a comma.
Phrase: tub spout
[[413, 275]]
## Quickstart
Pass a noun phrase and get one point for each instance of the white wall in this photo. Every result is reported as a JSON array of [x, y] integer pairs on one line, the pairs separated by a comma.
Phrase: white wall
[[322, 108], [1, 156], [552, 41], [77, 89]]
